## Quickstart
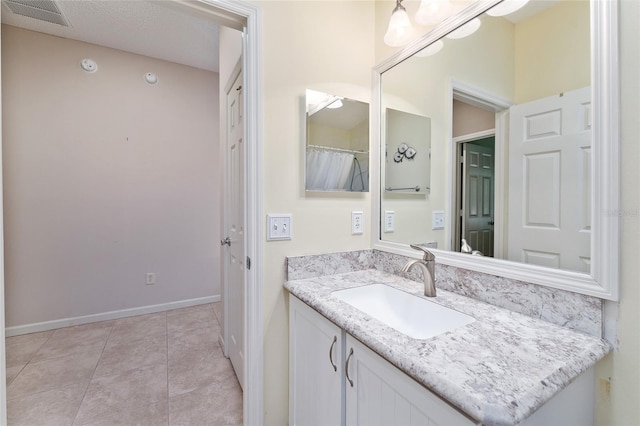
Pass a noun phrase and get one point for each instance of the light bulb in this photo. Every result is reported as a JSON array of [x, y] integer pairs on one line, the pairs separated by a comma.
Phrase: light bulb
[[400, 31], [432, 12], [465, 30], [506, 7], [432, 49]]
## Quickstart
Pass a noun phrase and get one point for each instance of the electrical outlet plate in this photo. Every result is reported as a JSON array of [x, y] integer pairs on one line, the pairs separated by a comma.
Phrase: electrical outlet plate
[[437, 220], [389, 216], [279, 227], [151, 278], [356, 223]]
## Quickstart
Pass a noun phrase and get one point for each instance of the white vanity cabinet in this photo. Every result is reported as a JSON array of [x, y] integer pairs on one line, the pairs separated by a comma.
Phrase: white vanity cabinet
[[316, 372], [378, 393], [362, 388]]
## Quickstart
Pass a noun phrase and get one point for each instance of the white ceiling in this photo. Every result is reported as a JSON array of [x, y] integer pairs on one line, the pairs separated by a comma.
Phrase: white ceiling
[[149, 28]]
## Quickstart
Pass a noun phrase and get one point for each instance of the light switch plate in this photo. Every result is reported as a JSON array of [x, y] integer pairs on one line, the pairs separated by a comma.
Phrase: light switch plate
[[356, 223], [437, 220], [279, 227], [389, 217]]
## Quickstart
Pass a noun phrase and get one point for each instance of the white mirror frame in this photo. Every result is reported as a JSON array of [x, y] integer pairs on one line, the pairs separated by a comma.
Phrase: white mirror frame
[[603, 280]]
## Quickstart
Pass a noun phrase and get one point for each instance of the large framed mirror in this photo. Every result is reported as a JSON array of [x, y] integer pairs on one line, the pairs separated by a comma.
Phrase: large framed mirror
[[524, 144]]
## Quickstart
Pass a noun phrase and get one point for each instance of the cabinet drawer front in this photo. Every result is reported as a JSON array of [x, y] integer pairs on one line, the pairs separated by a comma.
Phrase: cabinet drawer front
[[383, 395]]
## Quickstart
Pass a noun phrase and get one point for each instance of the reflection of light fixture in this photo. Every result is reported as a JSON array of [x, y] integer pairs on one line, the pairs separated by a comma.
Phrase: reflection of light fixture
[[400, 30], [465, 30], [335, 104], [431, 49], [432, 12], [506, 7]]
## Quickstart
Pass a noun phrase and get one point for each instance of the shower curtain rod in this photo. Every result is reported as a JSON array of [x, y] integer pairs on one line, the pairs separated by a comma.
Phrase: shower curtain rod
[[330, 148]]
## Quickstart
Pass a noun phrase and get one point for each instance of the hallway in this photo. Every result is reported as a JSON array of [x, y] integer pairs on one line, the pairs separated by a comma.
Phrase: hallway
[[163, 368]]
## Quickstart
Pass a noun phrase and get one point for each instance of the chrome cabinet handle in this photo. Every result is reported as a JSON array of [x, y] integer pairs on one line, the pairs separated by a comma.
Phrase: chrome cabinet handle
[[347, 367], [335, 367]]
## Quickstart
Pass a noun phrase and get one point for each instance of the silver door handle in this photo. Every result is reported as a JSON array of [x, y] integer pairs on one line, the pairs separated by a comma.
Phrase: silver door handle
[[335, 367], [347, 367], [226, 241]]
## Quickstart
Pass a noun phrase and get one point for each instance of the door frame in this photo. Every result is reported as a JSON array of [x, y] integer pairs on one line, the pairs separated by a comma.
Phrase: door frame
[[247, 17], [481, 99]]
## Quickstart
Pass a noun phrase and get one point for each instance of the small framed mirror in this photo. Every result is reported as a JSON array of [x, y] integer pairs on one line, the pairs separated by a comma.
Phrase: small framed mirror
[[337, 143], [408, 152]]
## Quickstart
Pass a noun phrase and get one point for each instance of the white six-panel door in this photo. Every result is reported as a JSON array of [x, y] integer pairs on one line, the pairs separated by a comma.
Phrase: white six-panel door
[[549, 181], [234, 200]]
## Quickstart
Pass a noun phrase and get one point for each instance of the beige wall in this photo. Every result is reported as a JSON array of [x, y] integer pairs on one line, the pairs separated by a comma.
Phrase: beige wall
[[106, 178], [325, 46], [468, 119], [559, 36]]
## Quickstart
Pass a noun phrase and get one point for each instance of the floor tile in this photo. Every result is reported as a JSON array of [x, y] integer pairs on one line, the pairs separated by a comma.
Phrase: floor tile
[[20, 349], [189, 310], [190, 320], [195, 370], [200, 339], [55, 407], [113, 394], [130, 329], [54, 373], [123, 372], [74, 340], [12, 372], [146, 415], [118, 358], [217, 310], [220, 403]]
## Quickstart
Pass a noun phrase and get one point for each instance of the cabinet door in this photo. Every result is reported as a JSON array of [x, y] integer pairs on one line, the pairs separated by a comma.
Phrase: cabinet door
[[377, 393], [316, 364]]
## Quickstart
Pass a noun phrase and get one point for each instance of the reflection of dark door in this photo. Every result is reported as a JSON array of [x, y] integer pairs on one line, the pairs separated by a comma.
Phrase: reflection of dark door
[[478, 194]]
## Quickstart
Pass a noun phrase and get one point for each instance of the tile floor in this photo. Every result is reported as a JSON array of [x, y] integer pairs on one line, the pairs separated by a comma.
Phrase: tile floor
[[157, 369]]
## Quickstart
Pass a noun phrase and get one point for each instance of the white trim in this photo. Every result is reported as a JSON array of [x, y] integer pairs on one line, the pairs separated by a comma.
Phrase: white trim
[[105, 316], [488, 101], [3, 364], [253, 395], [605, 242]]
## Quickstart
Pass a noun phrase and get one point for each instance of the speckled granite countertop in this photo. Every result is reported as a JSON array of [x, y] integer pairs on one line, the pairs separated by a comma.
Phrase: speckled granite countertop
[[498, 369]]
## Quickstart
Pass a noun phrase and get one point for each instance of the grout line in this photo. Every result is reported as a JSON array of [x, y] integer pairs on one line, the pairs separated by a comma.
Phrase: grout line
[[93, 373]]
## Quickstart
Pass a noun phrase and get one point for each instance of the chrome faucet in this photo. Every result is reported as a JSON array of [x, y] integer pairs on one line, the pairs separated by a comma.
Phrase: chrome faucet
[[427, 264]]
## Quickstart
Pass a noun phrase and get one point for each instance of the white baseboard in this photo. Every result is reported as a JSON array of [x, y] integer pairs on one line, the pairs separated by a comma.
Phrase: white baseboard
[[123, 313]]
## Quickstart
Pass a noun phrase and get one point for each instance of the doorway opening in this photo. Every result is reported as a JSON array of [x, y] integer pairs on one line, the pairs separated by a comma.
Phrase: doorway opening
[[476, 195], [244, 17]]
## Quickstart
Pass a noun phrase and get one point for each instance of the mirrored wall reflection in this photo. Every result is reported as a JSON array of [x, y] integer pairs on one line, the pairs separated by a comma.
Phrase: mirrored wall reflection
[[337, 144], [510, 129]]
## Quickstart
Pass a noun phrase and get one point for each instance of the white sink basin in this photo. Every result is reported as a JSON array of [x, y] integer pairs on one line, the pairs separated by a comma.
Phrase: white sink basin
[[411, 315]]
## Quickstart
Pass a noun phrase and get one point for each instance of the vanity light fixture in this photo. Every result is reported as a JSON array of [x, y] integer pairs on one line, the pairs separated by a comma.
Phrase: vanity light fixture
[[432, 12], [336, 104], [431, 49], [506, 7], [465, 30], [400, 31]]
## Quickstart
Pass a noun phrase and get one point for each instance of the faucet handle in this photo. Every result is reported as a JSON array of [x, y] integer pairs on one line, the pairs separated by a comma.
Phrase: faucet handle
[[427, 255]]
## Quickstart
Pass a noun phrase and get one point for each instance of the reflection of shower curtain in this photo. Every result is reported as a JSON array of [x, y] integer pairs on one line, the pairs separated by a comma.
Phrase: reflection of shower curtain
[[327, 170]]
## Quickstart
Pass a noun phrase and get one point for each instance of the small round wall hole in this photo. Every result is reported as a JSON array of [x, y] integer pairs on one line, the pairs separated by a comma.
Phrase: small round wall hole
[[89, 65], [151, 78]]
